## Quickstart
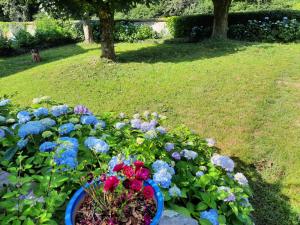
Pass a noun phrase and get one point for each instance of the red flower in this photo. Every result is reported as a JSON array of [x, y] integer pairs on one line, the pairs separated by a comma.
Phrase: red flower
[[128, 171], [111, 183], [148, 192], [142, 174], [138, 164], [136, 185], [118, 167]]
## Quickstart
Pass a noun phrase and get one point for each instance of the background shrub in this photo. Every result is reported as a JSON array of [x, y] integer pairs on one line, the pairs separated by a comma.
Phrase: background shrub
[[182, 26]]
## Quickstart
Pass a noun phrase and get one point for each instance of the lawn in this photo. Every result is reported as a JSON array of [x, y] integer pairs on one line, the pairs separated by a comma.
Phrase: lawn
[[245, 95]]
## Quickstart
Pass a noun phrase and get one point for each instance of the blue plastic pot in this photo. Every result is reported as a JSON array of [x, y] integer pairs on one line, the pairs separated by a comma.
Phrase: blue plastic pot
[[77, 198]]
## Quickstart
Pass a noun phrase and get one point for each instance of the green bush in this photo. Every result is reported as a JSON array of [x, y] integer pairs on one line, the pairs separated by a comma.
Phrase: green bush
[[182, 26], [284, 30], [5, 46], [24, 40]]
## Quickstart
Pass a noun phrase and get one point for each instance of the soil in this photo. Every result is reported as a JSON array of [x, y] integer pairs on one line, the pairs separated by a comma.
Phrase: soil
[[137, 211]]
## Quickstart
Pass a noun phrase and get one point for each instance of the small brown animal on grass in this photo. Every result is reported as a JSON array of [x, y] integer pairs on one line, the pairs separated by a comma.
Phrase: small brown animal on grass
[[35, 54]]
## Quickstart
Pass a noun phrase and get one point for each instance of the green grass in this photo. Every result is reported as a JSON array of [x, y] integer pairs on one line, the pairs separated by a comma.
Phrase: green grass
[[247, 96]]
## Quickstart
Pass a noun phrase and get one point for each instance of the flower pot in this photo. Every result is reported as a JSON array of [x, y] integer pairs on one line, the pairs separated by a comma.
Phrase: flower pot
[[79, 195]]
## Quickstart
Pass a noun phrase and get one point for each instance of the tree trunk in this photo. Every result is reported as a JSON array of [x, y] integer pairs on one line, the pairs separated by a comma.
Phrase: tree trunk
[[221, 10], [106, 17], [87, 30]]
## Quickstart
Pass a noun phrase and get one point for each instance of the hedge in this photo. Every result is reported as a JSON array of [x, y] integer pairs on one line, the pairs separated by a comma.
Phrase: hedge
[[181, 26]]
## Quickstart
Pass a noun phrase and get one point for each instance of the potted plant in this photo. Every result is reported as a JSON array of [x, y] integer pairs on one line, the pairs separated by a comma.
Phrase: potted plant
[[126, 196]]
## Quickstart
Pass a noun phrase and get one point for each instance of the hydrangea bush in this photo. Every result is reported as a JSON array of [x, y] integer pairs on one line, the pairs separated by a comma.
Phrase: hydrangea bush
[[47, 149]]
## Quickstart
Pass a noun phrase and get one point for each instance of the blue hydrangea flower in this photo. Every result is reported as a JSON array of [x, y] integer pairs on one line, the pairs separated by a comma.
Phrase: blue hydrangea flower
[[189, 154], [210, 215], [2, 133], [59, 110], [100, 124], [174, 191], [163, 173], [151, 134], [22, 143], [163, 178], [223, 161], [96, 145], [66, 152], [31, 128], [199, 174], [47, 146], [4, 102], [159, 165], [89, 120], [136, 123], [112, 163], [69, 143], [169, 146], [161, 130], [41, 112], [66, 128], [119, 125], [48, 122], [23, 116], [241, 179]]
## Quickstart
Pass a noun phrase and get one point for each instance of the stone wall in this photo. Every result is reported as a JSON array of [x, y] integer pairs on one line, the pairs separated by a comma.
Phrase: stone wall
[[9, 29]]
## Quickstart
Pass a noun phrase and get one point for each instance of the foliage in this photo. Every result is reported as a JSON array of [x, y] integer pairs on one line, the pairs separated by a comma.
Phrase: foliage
[[5, 46], [19, 10], [55, 147], [281, 31], [182, 26]]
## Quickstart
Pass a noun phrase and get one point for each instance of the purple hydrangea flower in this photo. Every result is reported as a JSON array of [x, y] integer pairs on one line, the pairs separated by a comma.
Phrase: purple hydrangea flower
[[223, 161], [161, 130], [81, 110], [176, 155], [136, 123], [241, 179], [210, 142], [230, 196], [188, 154], [169, 146]]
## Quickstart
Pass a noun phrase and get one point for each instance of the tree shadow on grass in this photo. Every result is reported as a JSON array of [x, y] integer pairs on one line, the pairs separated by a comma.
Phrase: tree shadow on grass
[[270, 205], [183, 52], [12, 65]]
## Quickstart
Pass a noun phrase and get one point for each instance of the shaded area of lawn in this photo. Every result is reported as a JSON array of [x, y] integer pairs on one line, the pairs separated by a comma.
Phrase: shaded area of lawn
[[244, 95], [12, 65], [181, 52], [271, 206]]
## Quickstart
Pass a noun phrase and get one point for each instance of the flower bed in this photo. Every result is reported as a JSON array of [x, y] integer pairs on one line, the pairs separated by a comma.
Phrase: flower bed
[[49, 148]]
